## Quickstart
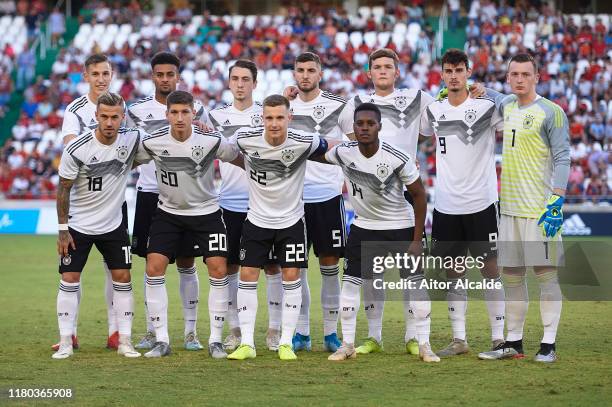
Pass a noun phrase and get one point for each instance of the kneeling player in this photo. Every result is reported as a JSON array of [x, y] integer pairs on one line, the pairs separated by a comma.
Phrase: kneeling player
[[93, 172], [275, 161], [377, 173], [188, 203]]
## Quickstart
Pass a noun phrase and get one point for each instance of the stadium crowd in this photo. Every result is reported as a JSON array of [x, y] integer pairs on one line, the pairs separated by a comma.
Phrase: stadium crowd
[[575, 71]]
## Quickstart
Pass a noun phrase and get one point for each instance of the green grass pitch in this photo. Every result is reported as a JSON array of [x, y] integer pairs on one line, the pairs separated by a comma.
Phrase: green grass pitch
[[29, 280]]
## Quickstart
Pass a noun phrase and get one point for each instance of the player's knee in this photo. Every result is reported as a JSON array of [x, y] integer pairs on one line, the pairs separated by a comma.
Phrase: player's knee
[[490, 269], [513, 280], [185, 262], [328, 260], [155, 268], [546, 275], [71, 277], [121, 275], [291, 274], [271, 269]]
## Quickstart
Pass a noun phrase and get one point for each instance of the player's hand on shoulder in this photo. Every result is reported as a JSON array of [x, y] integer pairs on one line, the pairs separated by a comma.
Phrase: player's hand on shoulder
[[202, 126], [477, 90], [291, 92]]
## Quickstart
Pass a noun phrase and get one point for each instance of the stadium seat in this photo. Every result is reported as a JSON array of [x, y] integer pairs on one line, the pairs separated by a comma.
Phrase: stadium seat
[[17, 145], [157, 20], [98, 30], [400, 28], [250, 21], [146, 87], [286, 75], [364, 11], [18, 21], [133, 39], [227, 96], [85, 29], [219, 65], [42, 146], [120, 40], [605, 19], [577, 19], [356, 38], [272, 75], [383, 38], [50, 135], [227, 20], [589, 19], [278, 20], [188, 77], [378, 12], [125, 29], [201, 76], [259, 94], [265, 20], [197, 20], [341, 40], [399, 39], [529, 40], [237, 21], [111, 30], [116, 85], [370, 39], [28, 146]]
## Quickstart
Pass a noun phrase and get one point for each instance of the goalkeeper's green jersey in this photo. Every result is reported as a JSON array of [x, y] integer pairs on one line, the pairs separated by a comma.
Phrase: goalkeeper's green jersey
[[535, 157]]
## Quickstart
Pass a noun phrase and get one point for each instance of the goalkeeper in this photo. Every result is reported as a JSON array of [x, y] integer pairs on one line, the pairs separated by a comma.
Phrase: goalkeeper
[[535, 170]]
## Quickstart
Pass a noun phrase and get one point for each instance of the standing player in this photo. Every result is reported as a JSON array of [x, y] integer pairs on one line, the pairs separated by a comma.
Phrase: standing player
[[535, 170], [465, 209], [150, 114], [234, 200], [275, 161], [401, 111], [317, 111], [188, 203], [93, 172], [79, 117], [378, 174]]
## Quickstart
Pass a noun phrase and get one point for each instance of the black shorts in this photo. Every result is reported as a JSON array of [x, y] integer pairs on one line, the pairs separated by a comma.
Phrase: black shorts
[[114, 247], [233, 223], [359, 259], [453, 235], [326, 226], [206, 232], [289, 245], [146, 207], [411, 202], [124, 216]]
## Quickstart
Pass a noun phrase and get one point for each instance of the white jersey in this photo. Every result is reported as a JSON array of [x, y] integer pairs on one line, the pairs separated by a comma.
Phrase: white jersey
[[185, 170], [377, 183], [234, 195], [100, 175], [401, 114], [466, 180], [322, 116], [150, 115], [79, 116], [276, 175]]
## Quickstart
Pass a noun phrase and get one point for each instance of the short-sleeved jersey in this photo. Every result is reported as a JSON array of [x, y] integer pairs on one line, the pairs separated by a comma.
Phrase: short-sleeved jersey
[[401, 116], [466, 180], [185, 170], [377, 183], [322, 116], [536, 142], [100, 173], [276, 175], [234, 195], [79, 116], [150, 115]]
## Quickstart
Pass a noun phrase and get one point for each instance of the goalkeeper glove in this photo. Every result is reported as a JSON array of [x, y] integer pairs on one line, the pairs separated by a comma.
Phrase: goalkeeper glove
[[442, 94], [551, 218]]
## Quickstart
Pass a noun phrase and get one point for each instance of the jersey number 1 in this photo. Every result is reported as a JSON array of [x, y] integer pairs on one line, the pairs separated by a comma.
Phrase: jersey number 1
[[513, 136]]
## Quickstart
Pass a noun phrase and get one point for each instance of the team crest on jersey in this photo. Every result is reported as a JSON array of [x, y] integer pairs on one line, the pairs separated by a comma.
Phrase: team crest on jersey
[[528, 122], [66, 260], [122, 153], [318, 112], [256, 120], [197, 153], [382, 170], [470, 116], [287, 156], [401, 102]]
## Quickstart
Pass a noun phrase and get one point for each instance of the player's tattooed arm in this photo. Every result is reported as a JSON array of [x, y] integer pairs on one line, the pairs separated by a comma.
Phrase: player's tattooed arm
[[238, 161], [291, 92], [419, 197], [64, 239]]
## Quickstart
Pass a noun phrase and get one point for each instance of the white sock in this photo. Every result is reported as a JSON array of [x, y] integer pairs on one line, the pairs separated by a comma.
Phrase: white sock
[[374, 308], [330, 298], [123, 304], [150, 327], [349, 306], [76, 317], [303, 324], [189, 286], [108, 295], [67, 305], [217, 307], [550, 304], [292, 300], [517, 303], [274, 289], [420, 305], [247, 310], [411, 329], [457, 307], [496, 306], [157, 301], [232, 315]]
